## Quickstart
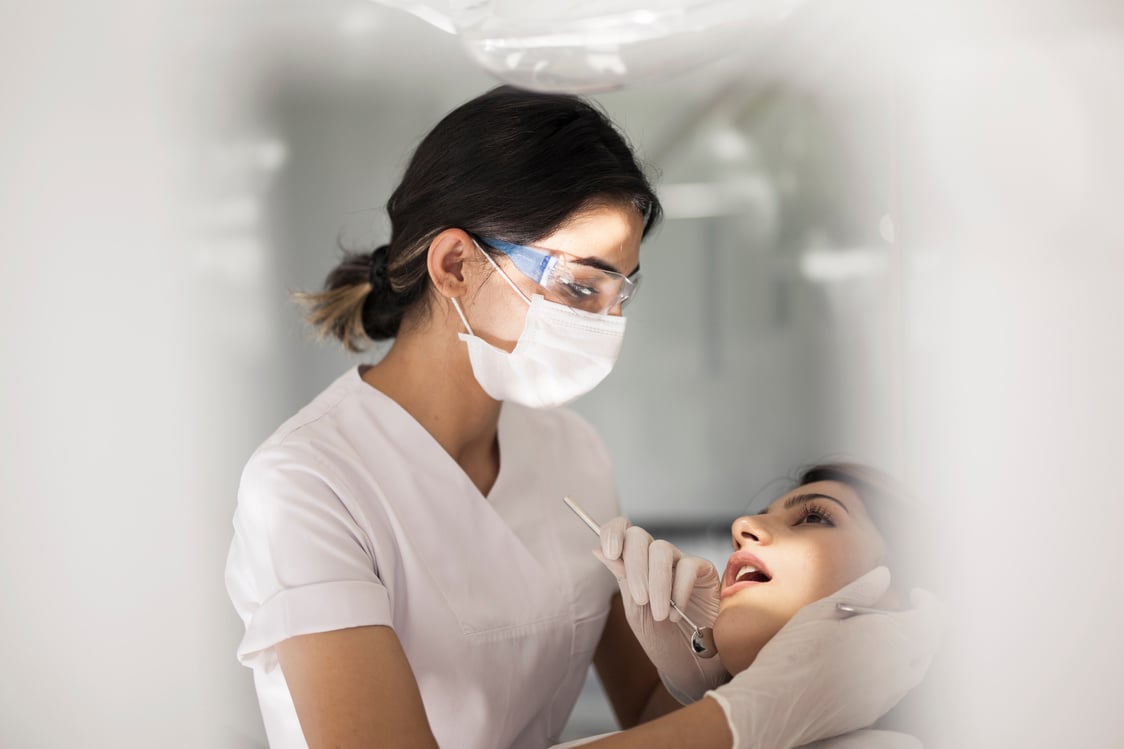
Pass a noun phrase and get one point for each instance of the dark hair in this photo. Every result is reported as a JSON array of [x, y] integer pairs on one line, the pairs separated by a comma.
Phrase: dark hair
[[509, 164], [896, 514]]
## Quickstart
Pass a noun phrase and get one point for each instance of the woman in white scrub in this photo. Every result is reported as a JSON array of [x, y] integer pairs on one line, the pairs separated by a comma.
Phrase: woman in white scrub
[[402, 560]]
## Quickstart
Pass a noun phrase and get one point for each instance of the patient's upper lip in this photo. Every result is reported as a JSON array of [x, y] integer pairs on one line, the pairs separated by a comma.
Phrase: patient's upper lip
[[738, 560]]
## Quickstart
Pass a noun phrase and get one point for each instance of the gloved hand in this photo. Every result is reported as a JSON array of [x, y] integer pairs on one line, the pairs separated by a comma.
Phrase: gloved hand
[[650, 574], [822, 675], [869, 740]]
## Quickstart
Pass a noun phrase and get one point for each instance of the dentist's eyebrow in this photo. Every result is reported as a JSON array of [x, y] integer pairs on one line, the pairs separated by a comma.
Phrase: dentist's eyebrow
[[802, 498], [596, 262]]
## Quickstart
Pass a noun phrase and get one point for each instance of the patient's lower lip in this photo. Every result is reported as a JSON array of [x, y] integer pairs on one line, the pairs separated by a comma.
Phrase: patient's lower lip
[[730, 590]]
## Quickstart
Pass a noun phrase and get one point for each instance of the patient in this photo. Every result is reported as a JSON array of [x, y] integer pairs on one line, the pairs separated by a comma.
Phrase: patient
[[821, 543], [840, 522]]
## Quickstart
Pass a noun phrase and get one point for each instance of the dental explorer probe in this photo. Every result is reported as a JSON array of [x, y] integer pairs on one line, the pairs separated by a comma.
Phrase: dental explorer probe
[[702, 639]]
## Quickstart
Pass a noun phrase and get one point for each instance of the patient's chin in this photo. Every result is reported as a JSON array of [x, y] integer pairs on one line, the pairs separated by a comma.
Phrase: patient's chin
[[740, 634]]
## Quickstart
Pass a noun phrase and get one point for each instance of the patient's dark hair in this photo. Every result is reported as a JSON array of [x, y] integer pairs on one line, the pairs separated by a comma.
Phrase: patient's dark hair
[[509, 164], [896, 514]]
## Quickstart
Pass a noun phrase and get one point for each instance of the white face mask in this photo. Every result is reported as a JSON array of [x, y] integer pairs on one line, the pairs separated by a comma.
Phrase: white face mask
[[562, 353]]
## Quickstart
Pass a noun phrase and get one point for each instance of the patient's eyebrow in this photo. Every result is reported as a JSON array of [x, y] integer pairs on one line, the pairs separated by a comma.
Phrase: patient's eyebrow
[[802, 498]]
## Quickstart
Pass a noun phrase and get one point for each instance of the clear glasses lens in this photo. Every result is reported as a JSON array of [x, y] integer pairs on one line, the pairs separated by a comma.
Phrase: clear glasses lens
[[587, 288], [567, 282]]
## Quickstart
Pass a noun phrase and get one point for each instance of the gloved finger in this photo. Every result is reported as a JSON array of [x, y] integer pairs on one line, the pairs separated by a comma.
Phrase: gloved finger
[[865, 591], [614, 566], [923, 626], [635, 556], [906, 640], [661, 568], [689, 572], [928, 609], [612, 537], [893, 647], [685, 629]]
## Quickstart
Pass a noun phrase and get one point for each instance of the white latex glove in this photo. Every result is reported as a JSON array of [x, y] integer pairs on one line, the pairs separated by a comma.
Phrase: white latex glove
[[651, 573], [869, 740], [823, 675]]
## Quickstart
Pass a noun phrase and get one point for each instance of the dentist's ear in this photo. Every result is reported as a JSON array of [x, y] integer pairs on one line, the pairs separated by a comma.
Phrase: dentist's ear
[[451, 254]]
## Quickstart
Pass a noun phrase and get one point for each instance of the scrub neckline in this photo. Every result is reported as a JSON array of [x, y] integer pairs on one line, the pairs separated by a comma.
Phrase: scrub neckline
[[501, 430]]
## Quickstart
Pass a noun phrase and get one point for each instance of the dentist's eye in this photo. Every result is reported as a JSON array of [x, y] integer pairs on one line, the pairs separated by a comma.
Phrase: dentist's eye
[[576, 291], [813, 514]]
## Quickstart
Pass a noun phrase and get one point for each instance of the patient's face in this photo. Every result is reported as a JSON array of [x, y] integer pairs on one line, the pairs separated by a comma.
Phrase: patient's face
[[806, 545]]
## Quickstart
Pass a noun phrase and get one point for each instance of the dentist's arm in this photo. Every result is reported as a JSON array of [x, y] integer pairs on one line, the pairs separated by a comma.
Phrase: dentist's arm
[[354, 689]]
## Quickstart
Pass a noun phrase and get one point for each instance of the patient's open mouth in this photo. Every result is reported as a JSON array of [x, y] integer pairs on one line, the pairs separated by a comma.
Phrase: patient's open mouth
[[744, 570], [749, 573]]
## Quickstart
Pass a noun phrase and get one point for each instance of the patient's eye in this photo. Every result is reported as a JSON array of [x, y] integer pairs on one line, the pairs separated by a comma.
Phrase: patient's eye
[[813, 514]]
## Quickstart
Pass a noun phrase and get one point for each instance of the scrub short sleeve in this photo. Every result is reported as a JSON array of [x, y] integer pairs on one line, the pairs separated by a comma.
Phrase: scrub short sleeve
[[300, 562]]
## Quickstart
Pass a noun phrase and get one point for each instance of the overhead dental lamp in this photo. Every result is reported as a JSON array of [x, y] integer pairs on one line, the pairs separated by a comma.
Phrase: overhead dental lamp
[[595, 45]]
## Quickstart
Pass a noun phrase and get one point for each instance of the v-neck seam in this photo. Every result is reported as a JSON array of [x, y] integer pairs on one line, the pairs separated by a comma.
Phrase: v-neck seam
[[500, 440], [463, 478]]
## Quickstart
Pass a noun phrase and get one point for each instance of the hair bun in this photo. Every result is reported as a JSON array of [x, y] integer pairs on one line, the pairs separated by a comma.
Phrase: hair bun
[[377, 275]]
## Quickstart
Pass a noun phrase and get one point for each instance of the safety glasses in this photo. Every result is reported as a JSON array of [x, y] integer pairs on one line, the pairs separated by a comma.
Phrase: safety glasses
[[569, 280]]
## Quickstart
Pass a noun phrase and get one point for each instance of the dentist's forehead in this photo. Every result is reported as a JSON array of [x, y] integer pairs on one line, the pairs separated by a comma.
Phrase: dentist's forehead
[[611, 232]]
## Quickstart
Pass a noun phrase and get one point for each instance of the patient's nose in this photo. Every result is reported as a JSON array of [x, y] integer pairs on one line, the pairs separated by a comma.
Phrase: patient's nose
[[750, 529]]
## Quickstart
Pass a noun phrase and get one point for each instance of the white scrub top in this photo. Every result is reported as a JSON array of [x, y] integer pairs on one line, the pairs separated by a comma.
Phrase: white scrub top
[[351, 514]]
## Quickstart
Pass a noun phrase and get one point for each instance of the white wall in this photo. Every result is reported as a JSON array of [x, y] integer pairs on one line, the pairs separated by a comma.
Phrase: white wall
[[115, 482], [1016, 359]]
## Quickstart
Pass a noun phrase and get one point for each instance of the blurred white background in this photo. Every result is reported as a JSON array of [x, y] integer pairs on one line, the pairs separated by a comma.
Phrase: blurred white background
[[893, 235]]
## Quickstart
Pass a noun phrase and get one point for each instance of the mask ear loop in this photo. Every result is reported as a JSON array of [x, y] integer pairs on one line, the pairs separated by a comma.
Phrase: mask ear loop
[[456, 304], [507, 278], [457, 307]]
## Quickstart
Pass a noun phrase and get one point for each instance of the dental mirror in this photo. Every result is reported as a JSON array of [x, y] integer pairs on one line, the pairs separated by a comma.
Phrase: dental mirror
[[702, 639]]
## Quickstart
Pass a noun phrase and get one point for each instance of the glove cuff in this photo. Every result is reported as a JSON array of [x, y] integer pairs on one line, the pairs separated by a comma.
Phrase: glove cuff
[[681, 696], [727, 710]]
